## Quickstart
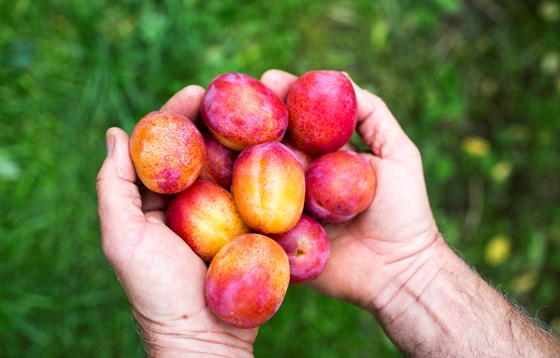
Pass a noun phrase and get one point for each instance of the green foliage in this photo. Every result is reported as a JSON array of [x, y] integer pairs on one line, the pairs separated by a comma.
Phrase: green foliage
[[475, 84]]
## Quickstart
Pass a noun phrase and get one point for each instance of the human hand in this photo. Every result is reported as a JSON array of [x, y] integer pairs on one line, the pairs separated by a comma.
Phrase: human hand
[[384, 241], [366, 253], [392, 261], [162, 277]]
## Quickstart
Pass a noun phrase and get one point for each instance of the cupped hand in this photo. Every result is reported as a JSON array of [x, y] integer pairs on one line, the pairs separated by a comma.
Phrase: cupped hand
[[162, 277], [385, 240]]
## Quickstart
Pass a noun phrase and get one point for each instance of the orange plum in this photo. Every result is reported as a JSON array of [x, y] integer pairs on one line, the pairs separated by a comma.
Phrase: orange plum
[[168, 152], [268, 186]]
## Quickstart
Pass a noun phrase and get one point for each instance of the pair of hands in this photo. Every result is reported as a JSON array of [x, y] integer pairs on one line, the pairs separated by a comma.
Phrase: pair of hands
[[164, 280]]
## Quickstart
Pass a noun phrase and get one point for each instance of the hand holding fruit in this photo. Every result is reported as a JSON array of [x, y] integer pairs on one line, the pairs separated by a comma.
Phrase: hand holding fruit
[[368, 251], [164, 279]]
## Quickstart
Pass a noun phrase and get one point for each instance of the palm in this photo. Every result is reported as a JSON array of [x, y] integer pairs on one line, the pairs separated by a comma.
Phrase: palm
[[170, 286], [396, 225]]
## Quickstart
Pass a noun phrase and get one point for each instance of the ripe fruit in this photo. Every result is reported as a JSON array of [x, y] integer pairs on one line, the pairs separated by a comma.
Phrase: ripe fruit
[[308, 249], [241, 111], [247, 280], [269, 187], [322, 110], [339, 185], [168, 152], [219, 162], [272, 178], [205, 217]]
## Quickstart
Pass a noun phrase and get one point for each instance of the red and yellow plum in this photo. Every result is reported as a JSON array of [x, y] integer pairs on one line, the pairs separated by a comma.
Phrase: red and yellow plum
[[205, 217], [268, 186], [247, 280], [168, 152]]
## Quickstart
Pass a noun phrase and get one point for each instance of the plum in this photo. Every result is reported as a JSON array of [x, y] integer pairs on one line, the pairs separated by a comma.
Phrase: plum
[[308, 249], [241, 111], [205, 217], [339, 185], [168, 152], [219, 162], [268, 186], [247, 280], [322, 109], [304, 158]]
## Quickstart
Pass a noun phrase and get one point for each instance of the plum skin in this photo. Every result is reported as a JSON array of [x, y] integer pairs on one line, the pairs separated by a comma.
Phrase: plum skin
[[241, 111], [268, 186], [205, 217], [308, 247], [167, 151], [322, 109], [339, 185], [247, 280]]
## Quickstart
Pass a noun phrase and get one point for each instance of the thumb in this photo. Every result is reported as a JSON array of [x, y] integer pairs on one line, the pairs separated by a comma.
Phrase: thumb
[[119, 203], [118, 158], [378, 127]]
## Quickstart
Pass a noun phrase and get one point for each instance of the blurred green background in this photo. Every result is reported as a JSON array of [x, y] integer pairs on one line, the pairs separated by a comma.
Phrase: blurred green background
[[476, 84]]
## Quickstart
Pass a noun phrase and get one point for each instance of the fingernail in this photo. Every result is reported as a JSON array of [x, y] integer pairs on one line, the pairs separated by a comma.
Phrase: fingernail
[[110, 142]]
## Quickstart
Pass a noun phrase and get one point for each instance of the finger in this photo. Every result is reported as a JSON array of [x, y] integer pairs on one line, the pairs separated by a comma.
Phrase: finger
[[118, 197], [186, 102], [348, 146], [157, 217], [153, 201], [278, 81], [377, 126]]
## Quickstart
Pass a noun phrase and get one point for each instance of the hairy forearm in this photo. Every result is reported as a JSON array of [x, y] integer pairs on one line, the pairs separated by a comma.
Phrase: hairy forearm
[[438, 306]]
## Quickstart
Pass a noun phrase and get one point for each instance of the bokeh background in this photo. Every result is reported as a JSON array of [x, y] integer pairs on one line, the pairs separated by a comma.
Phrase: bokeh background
[[476, 85]]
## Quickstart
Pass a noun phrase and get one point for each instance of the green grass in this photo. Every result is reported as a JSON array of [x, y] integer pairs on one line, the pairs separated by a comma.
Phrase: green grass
[[449, 70]]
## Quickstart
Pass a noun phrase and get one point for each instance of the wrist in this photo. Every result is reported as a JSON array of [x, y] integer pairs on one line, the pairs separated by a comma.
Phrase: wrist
[[203, 346], [411, 277], [420, 308], [183, 338], [438, 306]]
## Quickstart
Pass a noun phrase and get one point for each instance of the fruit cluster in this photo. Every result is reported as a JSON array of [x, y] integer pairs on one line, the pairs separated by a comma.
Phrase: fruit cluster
[[254, 180]]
